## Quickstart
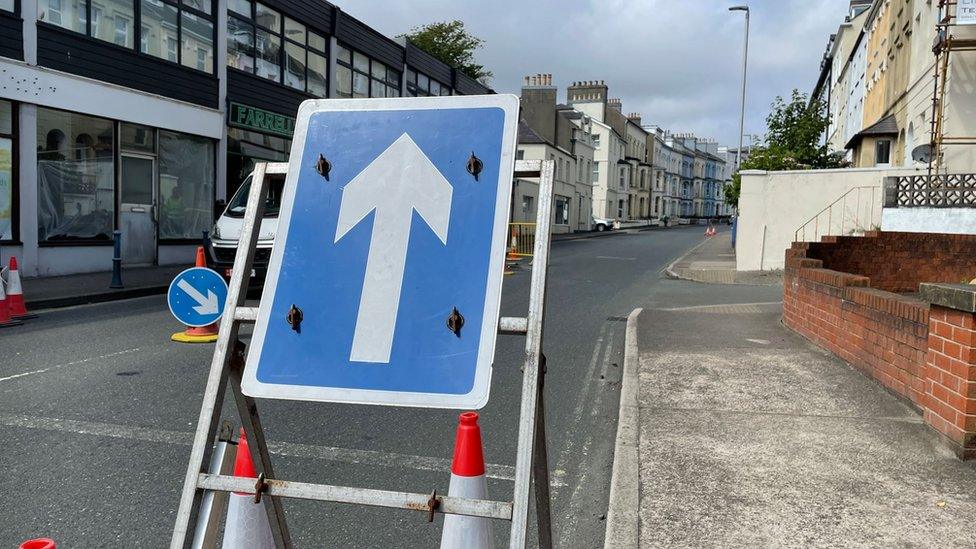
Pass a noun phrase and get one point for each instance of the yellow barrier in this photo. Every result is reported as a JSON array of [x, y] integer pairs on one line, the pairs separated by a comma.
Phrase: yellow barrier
[[521, 239]]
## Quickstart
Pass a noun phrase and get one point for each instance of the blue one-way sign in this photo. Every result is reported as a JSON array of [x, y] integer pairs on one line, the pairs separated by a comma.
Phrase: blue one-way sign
[[197, 296], [384, 285]]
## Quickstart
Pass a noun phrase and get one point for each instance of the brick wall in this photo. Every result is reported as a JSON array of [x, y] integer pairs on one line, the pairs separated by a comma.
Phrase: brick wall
[[898, 262], [881, 333], [925, 353]]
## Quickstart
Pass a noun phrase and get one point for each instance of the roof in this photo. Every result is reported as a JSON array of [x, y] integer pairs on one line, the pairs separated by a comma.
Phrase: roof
[[528, 135], [885, 126]]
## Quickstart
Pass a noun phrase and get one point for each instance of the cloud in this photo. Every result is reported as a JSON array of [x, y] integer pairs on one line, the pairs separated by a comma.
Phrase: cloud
[[677, 62]]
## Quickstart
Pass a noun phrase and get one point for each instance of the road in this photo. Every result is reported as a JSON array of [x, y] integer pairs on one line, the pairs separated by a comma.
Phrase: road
[[98, 410]]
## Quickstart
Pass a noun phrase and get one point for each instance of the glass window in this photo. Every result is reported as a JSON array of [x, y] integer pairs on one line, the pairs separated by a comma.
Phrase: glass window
[[360, 85], [186, 185], [294, 65], [379, 71], [316, 41], [6, 5], [344, 55], [137, 138], [112, 21], [242, 7], [159, 29], [317, 68], [240, 44], [197, 37], [6, 171], [294, 31], [561, 207], [75, 176], [882, 152], [69, 14], [199, 5], [268, 53], [343, 81], [360, 62], [267, 17]]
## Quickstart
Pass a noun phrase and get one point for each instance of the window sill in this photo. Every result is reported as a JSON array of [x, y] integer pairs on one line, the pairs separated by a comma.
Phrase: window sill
[[11, 243]]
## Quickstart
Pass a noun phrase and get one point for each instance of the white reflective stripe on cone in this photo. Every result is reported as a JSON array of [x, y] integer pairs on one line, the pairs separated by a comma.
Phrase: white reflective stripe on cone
[[463, 532], [247, 524], [13, 283]]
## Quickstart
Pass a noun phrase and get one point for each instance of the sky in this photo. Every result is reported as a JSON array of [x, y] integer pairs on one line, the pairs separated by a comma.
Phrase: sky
[[676, 62]]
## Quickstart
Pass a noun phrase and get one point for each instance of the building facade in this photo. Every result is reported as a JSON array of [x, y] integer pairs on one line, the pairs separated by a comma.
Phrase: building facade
[[141, 116], [611, 172]]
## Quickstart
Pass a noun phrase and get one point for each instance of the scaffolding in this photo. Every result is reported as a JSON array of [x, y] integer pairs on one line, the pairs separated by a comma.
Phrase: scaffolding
[[945, 44]]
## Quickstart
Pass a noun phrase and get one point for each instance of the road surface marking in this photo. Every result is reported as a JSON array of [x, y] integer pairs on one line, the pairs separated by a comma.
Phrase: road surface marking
[[287, 449], [583, 400], [759, 341], [575, 503], [74, 363], [615, 257]]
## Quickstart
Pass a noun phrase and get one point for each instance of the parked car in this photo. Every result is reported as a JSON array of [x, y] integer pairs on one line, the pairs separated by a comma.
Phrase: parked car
[[603, 224], [222, 248]]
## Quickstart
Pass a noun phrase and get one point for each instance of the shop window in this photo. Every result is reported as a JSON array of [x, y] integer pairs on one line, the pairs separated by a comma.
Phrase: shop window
[[360, 76], [7, 156], [75, 177], [421, 85], [186, 185], [7, 5], [262, 41], [245, 147]]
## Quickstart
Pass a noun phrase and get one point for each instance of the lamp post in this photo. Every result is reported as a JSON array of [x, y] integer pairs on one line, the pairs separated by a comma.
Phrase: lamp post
[[745, 60]]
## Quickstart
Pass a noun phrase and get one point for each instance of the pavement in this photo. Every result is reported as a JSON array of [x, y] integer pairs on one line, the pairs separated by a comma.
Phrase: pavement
[[738, 433], [65, 291], [98, 408], [713, 262]]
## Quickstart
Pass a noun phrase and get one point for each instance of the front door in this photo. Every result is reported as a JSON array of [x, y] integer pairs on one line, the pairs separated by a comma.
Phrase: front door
[[137, 209]]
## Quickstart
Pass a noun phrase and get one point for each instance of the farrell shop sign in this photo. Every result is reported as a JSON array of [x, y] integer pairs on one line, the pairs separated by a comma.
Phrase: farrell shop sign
[[251, 118]]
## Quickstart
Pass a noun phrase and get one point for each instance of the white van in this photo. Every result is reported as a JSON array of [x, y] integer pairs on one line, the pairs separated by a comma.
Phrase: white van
[[227, 230]]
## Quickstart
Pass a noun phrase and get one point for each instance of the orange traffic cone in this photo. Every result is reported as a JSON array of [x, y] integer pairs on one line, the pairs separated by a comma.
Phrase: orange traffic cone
[[467, 481], [15, 293], [39, 543], [204, 334], [5, 319], [247, 524]]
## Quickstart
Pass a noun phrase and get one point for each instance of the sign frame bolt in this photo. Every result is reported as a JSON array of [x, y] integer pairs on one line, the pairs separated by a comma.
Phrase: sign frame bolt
[[475, 165], [323, 166]]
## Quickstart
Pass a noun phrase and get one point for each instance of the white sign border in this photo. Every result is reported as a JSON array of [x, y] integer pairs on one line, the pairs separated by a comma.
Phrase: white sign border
[[478, 396], [223, 304]]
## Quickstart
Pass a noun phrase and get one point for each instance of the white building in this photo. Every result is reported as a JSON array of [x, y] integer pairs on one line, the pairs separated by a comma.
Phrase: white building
[[611, 172]]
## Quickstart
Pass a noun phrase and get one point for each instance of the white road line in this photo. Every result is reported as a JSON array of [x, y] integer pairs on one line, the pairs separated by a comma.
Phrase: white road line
[[288, 449], [615, 257], [575, 505], [693, 307], [75, 363], [583, 400]]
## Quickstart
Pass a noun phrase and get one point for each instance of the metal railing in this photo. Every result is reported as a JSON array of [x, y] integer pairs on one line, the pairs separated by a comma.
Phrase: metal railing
[[521, 239], [956, 190], [839, 219]]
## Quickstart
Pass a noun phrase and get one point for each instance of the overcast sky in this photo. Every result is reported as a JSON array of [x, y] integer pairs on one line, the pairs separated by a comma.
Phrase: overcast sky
[[677, 62]]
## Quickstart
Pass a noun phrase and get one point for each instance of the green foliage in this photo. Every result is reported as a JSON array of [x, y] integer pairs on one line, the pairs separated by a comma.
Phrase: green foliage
[[793, 142], [451, 43]]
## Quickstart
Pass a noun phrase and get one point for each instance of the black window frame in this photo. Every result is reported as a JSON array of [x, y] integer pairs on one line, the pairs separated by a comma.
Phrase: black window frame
[[14, 175], [251, 20], [413, 88], [370, 79]]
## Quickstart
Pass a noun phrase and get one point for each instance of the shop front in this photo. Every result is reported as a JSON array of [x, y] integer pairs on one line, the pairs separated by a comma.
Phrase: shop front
[[254, 135]]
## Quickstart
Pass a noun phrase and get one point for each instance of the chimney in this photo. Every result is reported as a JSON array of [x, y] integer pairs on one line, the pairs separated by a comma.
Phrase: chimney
[[586, 91], [538, 108], [634, 117]]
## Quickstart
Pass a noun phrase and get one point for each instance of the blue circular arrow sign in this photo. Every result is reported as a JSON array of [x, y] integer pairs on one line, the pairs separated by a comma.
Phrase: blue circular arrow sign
[[197, 296]]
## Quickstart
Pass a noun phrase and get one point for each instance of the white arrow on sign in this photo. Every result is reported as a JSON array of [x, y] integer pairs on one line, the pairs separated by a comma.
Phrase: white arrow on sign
[[397, 182], [207, 305]]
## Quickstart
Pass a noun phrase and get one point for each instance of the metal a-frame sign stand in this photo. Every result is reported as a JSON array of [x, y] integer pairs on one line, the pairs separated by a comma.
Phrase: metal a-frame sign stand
[[531, 465]]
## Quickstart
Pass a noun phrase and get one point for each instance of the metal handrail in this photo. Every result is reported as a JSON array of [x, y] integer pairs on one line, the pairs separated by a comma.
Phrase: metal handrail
[[829, 211]]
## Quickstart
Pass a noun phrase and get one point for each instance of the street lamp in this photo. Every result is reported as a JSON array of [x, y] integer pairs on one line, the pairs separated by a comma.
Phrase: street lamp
[[742, 112]]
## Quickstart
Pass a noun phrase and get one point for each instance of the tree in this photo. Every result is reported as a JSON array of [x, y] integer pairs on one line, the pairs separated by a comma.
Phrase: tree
[[451, 43], [793, 142]]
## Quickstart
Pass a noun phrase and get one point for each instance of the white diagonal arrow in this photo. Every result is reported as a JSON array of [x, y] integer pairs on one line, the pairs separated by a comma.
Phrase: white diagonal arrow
[[207, 305], [400, 180]]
